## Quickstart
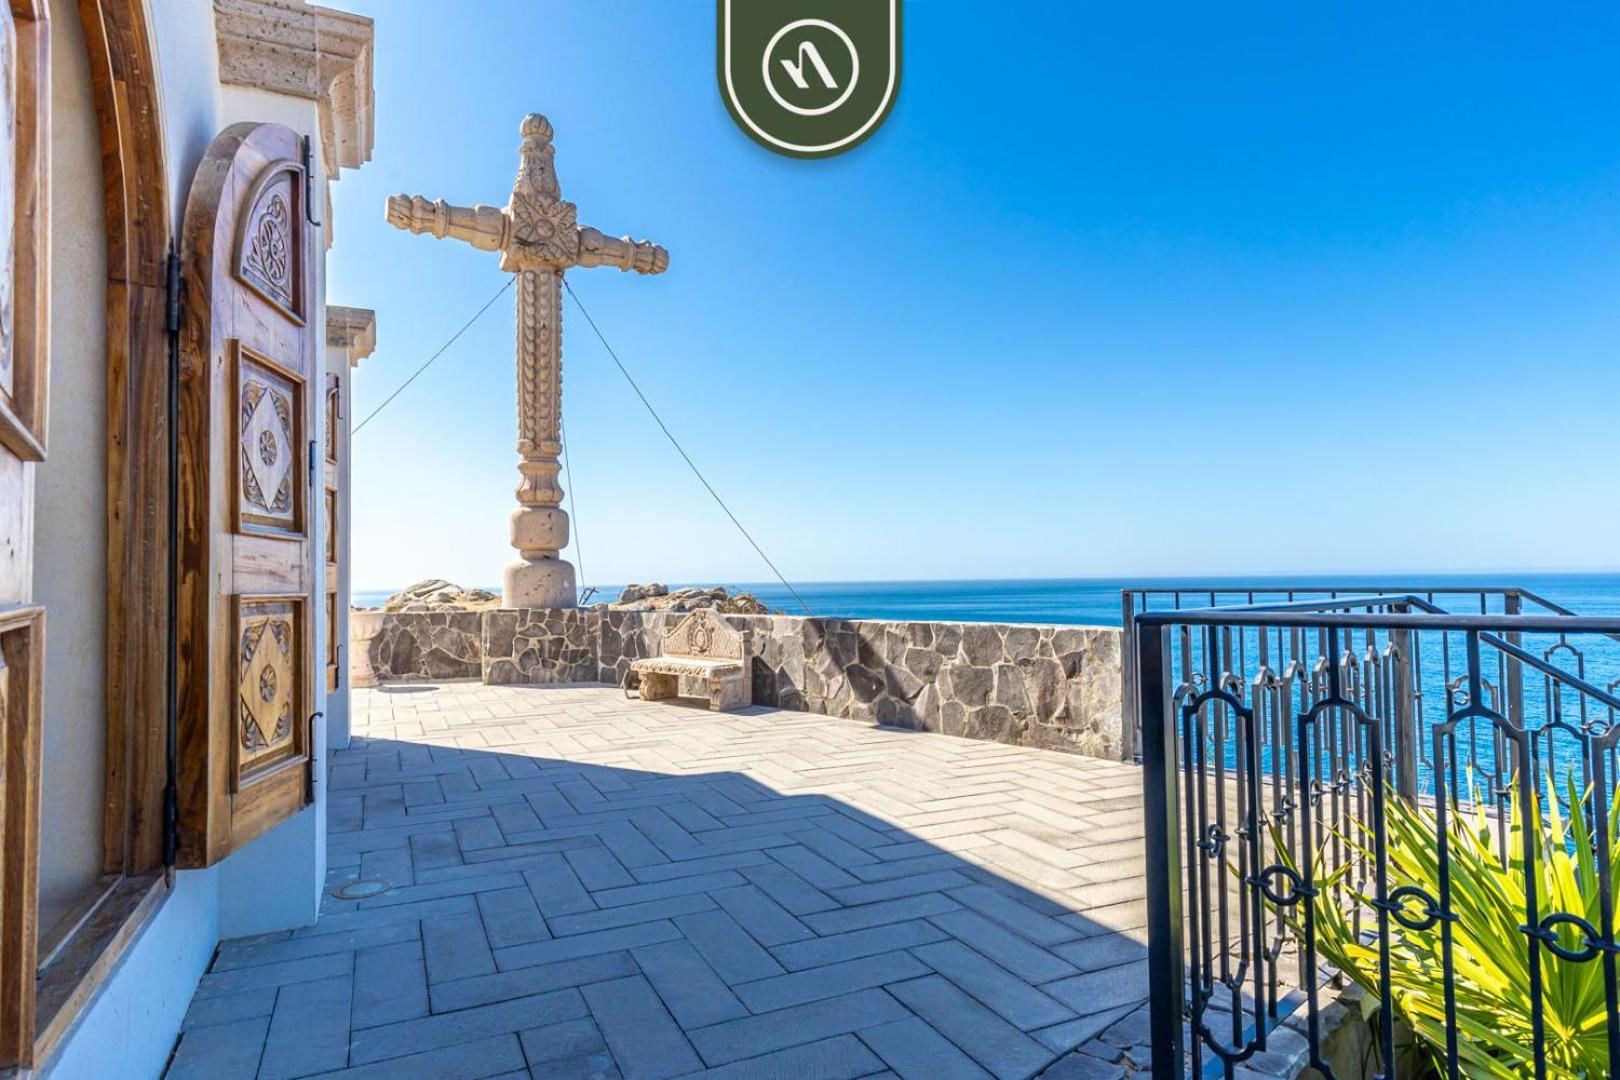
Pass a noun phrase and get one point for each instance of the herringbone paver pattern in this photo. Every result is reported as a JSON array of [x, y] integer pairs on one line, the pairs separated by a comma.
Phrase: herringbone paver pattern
[[588, 886]]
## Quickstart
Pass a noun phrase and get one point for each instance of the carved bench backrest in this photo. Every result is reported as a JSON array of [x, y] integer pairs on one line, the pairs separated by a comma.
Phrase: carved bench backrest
[[705, 635]]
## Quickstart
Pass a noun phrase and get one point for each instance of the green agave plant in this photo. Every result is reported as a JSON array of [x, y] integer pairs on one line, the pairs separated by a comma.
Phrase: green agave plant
[[1490, 957]]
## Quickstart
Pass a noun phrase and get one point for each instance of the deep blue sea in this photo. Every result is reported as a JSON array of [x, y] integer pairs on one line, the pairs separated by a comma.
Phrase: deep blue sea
[[1096, 601]]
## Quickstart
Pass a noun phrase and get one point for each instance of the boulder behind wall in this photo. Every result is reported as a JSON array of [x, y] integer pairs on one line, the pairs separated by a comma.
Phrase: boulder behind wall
[[437, 594]]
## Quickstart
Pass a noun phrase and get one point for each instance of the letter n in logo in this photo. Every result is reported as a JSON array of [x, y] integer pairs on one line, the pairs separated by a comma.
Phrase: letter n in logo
[[810, 78]]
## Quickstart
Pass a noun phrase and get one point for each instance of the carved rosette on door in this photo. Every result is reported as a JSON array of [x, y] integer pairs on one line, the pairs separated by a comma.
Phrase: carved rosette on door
[[247, 577]]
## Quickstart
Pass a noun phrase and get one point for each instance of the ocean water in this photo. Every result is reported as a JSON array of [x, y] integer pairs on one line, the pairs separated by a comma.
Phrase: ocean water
[[1096, 601]]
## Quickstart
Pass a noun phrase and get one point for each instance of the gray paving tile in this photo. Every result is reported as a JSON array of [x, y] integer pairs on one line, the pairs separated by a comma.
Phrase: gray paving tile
[[842, 826], [478, 832], [237, 955], [600, 941], [842, 1057], [455, 948], [764, 919], [694, 994], [556, 889], [1028, 961], [345, 921], [934, 860], [630, 914], [857, 943], [393, 865], [831, 980], [727, 947], [596, 868], [525, 982], [432, 850], [390, 984], [991, 1041], [755, 1035], [435, 890], [498, 1056], [514, 817], [916, 1051], [1102, 951], [511, 917], [812, 867], [1105, 989], [573, 1048], [836, 850], [1080, 1066], [309, 1032], [230, 1007], [376, 839], [463, 1026], [287, 972], [788, 889], [1012, 998], [692, 818], [737, 860], [881, 913], [871, 892], [646, 1042], [1039, 928], [220, 1051], [659, 890], [1061, 1038]]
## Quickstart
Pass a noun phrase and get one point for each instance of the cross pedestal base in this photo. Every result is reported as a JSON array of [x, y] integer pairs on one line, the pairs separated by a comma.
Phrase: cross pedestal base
[[542, 583]]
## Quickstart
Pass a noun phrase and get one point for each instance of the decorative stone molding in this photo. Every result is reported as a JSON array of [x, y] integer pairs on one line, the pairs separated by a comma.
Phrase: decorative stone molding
[[353, 330], [291, 47]]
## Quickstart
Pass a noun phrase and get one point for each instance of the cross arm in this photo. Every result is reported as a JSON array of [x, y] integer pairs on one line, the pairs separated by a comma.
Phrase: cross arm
[[598, 249], [484, 227]]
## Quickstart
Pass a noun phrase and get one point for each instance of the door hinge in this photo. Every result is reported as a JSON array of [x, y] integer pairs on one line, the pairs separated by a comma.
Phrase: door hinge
[[174, 301], [314, 450], [315, 755], [309, 183]]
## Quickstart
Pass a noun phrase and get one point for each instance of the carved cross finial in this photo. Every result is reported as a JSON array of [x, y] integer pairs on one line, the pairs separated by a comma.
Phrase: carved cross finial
[[538, 237]]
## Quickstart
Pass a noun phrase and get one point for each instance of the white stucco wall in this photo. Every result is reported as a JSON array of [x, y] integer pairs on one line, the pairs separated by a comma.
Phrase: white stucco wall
[[70, 526], [129, 1029], [337, 706], [188, 87]]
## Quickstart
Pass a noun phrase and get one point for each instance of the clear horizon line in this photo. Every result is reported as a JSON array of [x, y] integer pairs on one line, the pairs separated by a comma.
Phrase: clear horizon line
[[1270, 575]]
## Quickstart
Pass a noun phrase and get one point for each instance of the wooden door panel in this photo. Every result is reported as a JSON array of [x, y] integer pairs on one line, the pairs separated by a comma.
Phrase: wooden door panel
[[24, 375], [248, 395]]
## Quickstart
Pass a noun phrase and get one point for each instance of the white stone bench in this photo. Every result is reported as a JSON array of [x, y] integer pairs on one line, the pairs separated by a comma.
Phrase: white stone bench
[[700, 646]]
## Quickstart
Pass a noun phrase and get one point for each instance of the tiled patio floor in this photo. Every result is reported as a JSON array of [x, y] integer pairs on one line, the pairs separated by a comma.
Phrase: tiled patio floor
[[589, 886]]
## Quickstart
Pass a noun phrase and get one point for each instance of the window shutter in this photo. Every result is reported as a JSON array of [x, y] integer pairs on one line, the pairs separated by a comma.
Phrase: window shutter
[[248, 393]]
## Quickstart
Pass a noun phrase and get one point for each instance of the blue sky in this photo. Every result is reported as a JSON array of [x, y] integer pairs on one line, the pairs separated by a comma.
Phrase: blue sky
[[1114, 291]]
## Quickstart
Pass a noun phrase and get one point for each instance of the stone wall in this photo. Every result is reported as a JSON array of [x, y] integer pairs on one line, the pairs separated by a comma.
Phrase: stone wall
[[1056, 687], [541, 645], [420, 645]]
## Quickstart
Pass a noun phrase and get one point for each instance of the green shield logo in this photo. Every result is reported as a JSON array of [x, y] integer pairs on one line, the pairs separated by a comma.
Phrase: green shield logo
[[809, 78]]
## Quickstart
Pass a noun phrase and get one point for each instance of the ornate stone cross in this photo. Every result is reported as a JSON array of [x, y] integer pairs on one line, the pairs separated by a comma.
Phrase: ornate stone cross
[[538, 238]]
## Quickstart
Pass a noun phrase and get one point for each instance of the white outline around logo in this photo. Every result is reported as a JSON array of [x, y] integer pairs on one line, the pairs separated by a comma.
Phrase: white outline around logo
[[854, 71]]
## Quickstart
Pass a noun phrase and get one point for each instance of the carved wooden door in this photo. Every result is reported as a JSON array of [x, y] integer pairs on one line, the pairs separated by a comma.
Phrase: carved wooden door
[[249, 389]]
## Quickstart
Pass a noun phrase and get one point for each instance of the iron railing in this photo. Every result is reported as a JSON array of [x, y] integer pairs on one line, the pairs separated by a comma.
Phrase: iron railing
[[1274, 737], [1470, 599]]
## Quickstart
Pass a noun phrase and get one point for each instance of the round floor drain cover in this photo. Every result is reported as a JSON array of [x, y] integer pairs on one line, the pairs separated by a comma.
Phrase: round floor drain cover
[[359, 890]]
